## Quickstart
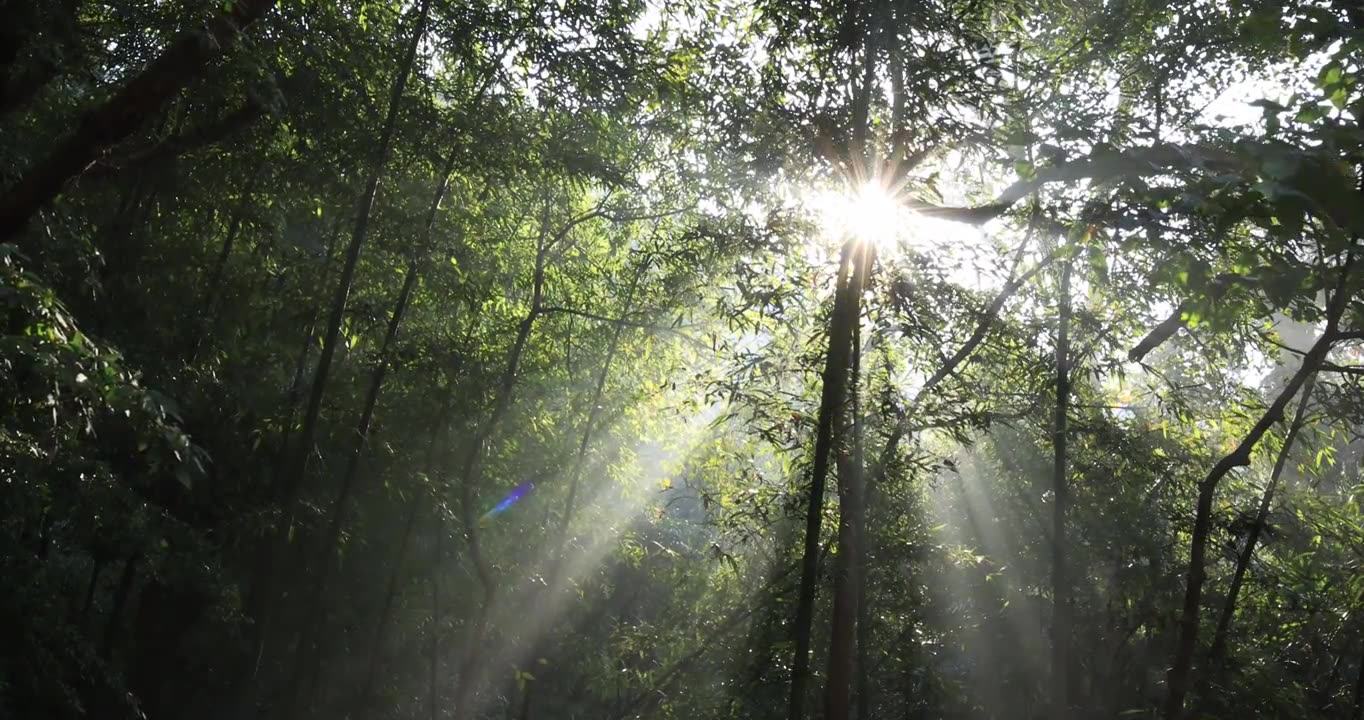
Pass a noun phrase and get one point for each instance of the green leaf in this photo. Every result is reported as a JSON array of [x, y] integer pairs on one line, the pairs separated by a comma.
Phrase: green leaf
[[1310, 113], [1330, 75]]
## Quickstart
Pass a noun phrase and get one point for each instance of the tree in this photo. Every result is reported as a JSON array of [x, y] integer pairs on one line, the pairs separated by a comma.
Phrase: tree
[[495, 359]]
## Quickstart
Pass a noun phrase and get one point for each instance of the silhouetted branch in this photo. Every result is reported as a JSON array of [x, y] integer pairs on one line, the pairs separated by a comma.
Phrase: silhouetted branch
[[116, 118], [1136, 162], [195, 139]]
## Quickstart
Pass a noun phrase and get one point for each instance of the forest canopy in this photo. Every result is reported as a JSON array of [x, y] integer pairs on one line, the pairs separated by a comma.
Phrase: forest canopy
[[670, 359]]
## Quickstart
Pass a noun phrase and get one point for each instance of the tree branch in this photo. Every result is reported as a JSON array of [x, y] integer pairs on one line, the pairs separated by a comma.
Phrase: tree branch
[[1343, 369], [195, 139], [547, 309], [116, 118], [1171, 325], [1135, 162], [950, 365]]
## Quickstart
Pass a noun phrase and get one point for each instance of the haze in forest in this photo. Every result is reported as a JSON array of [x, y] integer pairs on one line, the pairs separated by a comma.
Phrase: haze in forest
[[677, 359]]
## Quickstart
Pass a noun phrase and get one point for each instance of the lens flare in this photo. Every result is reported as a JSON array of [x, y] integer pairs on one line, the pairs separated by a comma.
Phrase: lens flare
[[511, 499], [873, 216], [868, 213]]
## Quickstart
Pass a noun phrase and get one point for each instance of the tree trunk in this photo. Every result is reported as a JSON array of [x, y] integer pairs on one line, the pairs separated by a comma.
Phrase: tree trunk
[[206, 317], [306, 658], [848, 562], [524, 714], [960, 357], [1219, 638], [292, 479], [863, 690], [125, 587], [184, 59], [640, 703], [1326, 690], [438, 196], [257, 599], [1177, 680], [1357, 707], [846, 311], [215, 275], [84, 617], [471, 474], [119, 256], [332, 539], [295, 392], [558, 539], [1060, 579], [395, 571], [165, 616], [438, 548], [843, 631], [593, 418]]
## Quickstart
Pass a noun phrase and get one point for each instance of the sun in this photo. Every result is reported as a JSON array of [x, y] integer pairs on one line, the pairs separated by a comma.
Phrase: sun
[[867, 213], [871, 214], [876, 217]]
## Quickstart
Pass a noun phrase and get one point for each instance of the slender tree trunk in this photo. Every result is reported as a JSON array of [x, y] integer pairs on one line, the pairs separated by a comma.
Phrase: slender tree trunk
[[119, 255], [843, 632], [215, 275], [395, 571], [846, 311], [438, 558], [593, 419], [125, 587], [204, 324], [260, 581], [863, 693], [306, 658], [640, 703], [1326, 690], [183, 60], [293, 476], [361, 436], [525, 702], [558, 539], [331, 336], [295, 392], [220, 265], [438, 551], [438, 196], [89, 601], [376, 646], [848, 563], [1177, 680], [1060, 577], [1219, 638], [332, 539], [1357, 707], [471, 473]]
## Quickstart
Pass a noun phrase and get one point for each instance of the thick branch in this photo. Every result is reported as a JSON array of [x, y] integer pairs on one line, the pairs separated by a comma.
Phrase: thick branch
[[205, 136], [1177, 681], [112, 121], [1135, 162], [1171, 325]]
